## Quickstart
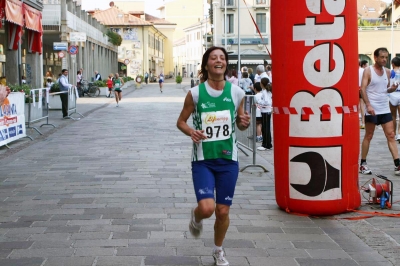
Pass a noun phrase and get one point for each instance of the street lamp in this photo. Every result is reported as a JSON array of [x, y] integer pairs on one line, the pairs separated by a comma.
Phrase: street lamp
[[215, 4]]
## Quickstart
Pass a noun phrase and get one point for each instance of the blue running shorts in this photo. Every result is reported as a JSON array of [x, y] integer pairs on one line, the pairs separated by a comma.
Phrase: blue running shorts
[[218, 174]]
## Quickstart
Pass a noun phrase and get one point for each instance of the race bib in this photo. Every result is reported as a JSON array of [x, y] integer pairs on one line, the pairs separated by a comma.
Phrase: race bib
[[117, 85], [217, 125]]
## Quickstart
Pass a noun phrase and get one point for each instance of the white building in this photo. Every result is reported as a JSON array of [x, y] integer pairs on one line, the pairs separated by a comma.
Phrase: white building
[[238, 19], [195, 45]]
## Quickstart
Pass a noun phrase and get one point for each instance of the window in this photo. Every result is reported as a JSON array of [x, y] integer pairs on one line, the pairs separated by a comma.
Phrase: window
[[230, 2], [259, 2], [261, 21], [229, 23]]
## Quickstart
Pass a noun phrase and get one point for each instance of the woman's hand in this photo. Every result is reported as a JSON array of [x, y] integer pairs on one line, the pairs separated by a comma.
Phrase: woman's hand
[[244, 120], [197, 136]]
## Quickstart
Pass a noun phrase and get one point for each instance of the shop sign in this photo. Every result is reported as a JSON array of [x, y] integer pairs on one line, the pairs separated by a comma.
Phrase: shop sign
[[77, 36]]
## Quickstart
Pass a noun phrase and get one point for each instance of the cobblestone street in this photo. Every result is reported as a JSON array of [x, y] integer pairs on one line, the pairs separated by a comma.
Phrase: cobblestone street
[[114, 188]]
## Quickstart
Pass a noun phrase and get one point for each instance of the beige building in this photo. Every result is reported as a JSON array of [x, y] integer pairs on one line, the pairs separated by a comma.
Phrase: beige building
[[183, 13], [145, 47], [378, 31]]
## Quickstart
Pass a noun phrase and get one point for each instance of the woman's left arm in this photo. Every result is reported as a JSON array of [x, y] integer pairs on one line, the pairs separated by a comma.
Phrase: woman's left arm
[[242, 118]]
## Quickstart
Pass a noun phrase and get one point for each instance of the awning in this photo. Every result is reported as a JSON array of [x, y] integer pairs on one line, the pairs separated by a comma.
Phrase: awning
[[249, 62], [252, 62], [33, 18], [14, 12]]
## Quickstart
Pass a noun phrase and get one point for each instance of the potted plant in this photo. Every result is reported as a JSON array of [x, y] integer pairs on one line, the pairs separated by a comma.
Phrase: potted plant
[[102, 86], [178, 81]]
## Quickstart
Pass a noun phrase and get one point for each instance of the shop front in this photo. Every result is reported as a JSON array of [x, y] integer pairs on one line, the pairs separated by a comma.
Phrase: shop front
[[21, 41]]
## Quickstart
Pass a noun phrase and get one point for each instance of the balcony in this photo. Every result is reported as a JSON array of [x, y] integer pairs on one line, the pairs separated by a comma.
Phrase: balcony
[[230, 4], [261, 4]]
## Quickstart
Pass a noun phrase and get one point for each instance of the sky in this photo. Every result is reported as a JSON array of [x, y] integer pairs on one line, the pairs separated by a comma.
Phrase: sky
[[150, 5]]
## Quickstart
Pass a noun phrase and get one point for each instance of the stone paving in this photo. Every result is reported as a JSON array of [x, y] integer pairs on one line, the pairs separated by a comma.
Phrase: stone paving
[[114, 188]]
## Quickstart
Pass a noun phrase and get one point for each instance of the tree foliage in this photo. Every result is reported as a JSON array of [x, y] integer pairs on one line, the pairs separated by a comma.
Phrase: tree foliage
[[114, 38]]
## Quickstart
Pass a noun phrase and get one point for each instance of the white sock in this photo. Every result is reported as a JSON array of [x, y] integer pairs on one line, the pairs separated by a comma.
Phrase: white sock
[[216, 248]]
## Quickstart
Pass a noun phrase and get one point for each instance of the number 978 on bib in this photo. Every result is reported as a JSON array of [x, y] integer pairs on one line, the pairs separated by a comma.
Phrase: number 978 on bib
[[217, 125]]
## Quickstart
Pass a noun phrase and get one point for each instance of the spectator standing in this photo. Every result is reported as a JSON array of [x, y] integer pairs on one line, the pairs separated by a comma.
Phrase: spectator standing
[[246, 84], [109, 85], [362, 65], [214, 168], [268, 70], [394, 97], [97, 76], [64, 87], [118, 83], [260, 73], [266, 110], [375, 85], [146, 77], [232, 77], [251, 75], [257, 101]]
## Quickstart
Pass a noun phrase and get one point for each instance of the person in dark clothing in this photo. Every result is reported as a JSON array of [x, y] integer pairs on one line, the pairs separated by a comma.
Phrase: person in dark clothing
[[251, 75], [64, 87]]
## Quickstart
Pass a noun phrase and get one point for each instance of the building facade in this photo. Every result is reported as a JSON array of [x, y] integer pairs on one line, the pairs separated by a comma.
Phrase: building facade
[[231, 18], [65, 22], [144, 44], [195, 45], [183, 13], [21, 41]]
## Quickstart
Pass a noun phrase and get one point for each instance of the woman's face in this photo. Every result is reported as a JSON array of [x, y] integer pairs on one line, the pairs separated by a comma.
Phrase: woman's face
[[216, 64]]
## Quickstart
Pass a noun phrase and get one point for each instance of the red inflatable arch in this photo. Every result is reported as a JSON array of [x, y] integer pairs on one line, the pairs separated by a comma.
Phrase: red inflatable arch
[[315, 96]]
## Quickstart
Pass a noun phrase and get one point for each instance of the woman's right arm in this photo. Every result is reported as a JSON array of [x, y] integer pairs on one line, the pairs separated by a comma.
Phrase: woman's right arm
[[188, 109]]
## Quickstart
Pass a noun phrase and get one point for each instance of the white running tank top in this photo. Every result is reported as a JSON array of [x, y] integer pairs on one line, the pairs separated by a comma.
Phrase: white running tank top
[[377, 92]]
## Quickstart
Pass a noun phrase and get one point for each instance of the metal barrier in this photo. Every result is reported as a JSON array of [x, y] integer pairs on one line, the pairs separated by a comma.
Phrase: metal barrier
[[247, 138], [37, 108], [73, 96]]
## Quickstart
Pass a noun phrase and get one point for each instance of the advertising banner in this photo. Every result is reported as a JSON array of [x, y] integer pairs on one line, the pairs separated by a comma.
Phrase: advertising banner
[[12, 118], [315, 93]]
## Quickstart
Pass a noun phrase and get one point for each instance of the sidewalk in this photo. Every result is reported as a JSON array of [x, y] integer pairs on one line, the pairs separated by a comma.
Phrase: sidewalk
[[114, 188]]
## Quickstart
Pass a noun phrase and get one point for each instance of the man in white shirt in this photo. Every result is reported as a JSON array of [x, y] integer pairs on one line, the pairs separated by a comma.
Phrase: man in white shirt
[[64, 87], [260, 70], [375, 85]]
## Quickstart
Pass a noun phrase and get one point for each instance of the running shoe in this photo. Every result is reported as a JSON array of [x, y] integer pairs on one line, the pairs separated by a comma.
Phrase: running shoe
[[397, 170], [397, 137], [195, 228], [219, 258], [261, 148], [365, 170]]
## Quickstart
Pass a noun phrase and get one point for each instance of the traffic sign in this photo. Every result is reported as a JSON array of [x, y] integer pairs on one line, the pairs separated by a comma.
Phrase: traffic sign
[[126, 61], [73, 49], [60, 46], [61, 54]]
